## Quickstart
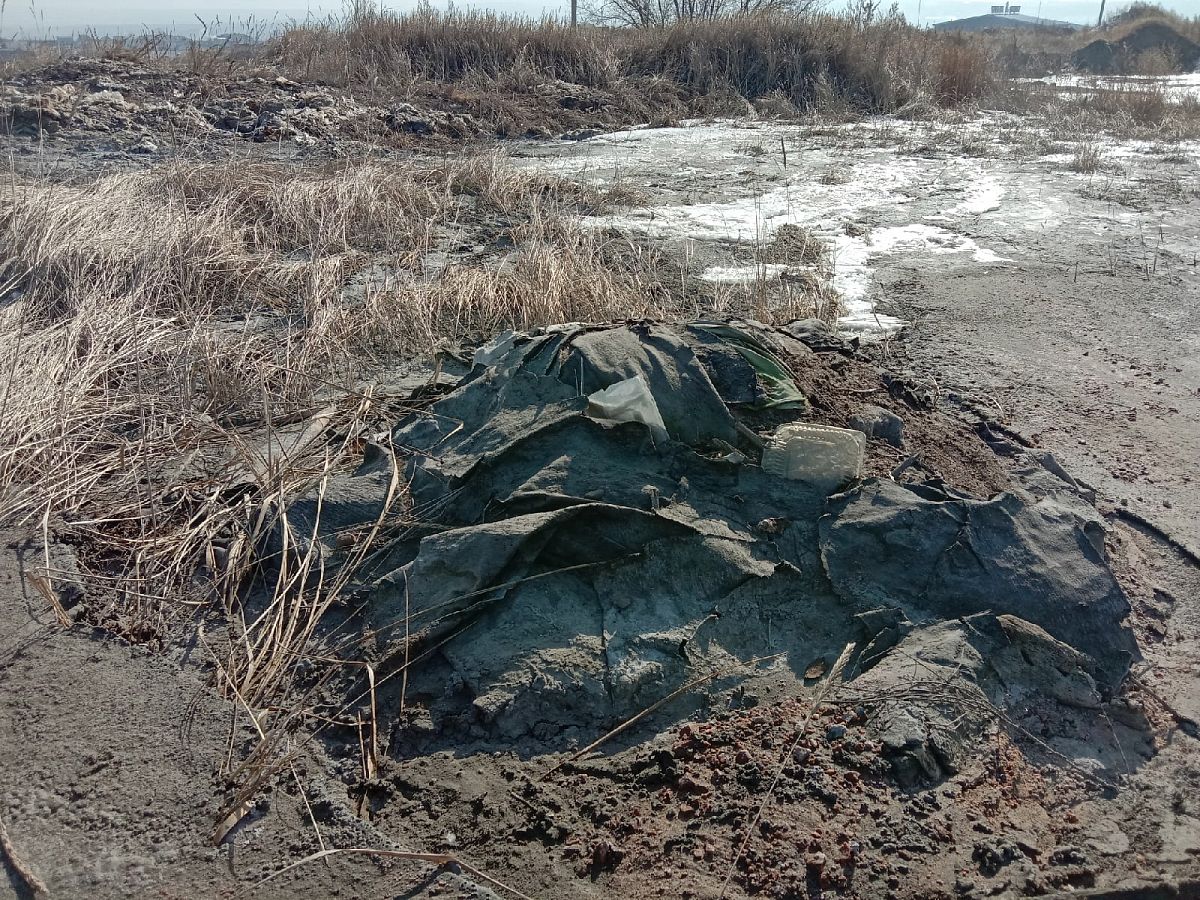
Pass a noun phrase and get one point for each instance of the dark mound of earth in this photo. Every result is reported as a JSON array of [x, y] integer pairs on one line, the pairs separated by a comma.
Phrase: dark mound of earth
[[1122, 56]]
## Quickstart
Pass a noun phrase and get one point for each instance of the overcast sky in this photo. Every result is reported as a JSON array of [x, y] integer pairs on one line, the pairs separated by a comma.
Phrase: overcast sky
[[55, 16]]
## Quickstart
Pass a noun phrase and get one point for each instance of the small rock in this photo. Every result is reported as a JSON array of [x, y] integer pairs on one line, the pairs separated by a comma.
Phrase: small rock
[[835, 732], [605, 854], [877, 422], [1068, 856], [145, 145]]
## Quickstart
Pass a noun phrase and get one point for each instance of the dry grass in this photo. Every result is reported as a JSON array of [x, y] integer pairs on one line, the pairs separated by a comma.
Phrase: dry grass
[[1127, 110], [1137, 111], [807, 61], [1086, 159], [373, 47]]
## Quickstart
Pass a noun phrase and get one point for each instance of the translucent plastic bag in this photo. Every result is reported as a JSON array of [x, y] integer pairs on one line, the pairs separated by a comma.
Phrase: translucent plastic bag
[[628, 401]]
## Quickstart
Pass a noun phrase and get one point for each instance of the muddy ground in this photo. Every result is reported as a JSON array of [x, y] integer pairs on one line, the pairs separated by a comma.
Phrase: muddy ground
[[1060, 306]]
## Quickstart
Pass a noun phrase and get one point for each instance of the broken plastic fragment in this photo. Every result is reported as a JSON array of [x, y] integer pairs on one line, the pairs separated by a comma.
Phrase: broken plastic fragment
[[824, 456], [628, 401], [495, 349]]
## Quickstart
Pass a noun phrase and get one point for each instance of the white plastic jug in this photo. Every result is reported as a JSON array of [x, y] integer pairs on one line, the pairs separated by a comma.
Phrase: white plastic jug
[[824, 456]]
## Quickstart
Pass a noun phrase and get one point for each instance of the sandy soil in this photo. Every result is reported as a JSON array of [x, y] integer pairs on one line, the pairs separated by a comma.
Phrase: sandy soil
[[1057, 305]]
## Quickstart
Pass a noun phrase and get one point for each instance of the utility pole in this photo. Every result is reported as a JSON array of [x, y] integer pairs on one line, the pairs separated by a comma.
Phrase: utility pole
[[574, 13], [1099, 22]]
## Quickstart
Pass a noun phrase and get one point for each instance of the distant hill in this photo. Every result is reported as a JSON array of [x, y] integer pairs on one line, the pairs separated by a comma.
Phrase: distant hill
[[996, 21]]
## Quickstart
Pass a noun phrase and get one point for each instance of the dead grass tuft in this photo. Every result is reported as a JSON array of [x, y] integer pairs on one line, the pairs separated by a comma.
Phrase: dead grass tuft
[[1086, 158], [794, 245]]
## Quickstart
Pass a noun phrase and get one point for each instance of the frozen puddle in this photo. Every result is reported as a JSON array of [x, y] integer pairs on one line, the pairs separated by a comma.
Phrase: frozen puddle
[[725, 188]]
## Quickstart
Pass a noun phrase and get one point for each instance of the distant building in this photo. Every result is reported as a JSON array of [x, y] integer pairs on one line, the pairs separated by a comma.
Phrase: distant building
[[1008, 17]]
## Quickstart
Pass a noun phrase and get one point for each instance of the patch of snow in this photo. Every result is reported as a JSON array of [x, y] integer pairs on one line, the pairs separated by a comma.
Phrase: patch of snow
[[983, 255], [926, 239], [852, 273], [983, 196], [742, 274], [746, 192], [1174, 87], [755, 218]]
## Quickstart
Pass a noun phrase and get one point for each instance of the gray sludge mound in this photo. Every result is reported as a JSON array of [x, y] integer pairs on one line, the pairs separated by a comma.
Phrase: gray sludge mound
[[572, 570]]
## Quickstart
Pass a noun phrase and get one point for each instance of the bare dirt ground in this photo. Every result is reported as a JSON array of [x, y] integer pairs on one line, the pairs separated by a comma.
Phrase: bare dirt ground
[[1038, 304]]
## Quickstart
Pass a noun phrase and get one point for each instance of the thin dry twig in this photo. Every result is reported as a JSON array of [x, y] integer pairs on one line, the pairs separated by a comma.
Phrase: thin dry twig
[[678, 692], [24, 872], [439, 859], [46, 589]]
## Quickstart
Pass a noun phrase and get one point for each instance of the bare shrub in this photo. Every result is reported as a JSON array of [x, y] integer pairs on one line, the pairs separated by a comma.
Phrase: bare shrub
[[660, 13]]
